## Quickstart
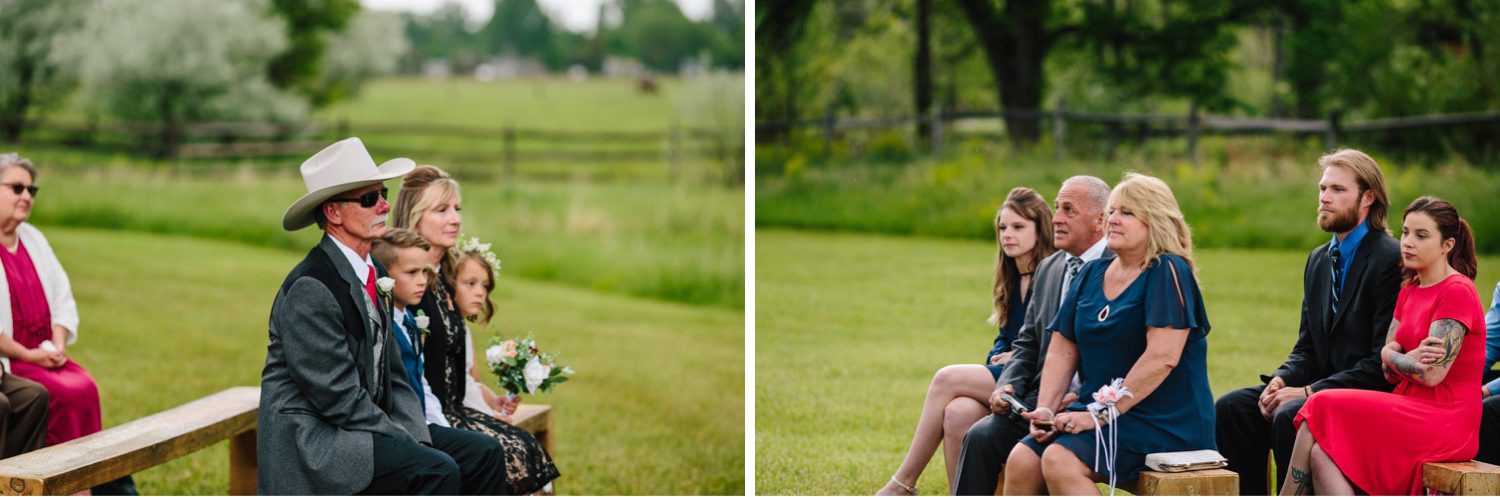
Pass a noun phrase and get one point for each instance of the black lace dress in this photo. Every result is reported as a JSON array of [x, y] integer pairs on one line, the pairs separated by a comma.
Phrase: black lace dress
[[528, 467]]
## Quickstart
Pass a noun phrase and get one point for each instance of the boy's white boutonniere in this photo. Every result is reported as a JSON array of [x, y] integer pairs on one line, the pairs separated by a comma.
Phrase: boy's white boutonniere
[[422, 322]]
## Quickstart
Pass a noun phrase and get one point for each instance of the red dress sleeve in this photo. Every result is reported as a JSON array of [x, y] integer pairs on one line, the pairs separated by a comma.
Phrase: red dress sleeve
[[1459, 302]]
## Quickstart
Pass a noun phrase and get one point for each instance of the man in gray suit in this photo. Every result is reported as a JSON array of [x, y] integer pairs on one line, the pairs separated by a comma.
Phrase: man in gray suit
[[1078, 233], [336, 413]]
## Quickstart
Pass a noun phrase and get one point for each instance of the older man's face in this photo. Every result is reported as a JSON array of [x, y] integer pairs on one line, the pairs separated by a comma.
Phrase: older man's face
[[1076, 223], [364, 223]]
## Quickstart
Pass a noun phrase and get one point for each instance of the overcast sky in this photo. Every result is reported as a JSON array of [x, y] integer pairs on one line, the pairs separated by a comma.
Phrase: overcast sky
[[576, 15]]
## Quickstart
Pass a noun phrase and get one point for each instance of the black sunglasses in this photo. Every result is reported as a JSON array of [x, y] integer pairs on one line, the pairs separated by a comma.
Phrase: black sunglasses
[[22, 187], [367, 200]]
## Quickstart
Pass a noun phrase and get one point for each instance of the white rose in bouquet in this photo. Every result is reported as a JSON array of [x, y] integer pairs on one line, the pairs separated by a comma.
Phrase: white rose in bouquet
[[535, 373], [495, 355]]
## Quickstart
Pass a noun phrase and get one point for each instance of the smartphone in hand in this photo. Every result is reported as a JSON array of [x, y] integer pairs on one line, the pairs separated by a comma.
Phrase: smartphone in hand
[[1044, 424], [1015, 404]]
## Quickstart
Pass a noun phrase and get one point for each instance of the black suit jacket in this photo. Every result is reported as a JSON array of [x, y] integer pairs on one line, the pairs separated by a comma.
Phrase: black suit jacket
[[1343, 350]]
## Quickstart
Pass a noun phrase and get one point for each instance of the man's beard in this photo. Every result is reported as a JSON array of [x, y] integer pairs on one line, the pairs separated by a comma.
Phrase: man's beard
[[1339, 222]]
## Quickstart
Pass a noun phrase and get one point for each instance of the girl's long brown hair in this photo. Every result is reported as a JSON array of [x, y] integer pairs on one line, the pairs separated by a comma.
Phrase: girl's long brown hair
[[1028, 204]]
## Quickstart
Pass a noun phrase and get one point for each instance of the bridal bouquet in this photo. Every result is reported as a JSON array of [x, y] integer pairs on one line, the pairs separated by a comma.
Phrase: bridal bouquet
[[522, 367]]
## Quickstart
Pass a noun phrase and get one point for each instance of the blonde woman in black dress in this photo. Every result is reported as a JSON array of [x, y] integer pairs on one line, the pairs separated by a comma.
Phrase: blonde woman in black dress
[[428, 203]]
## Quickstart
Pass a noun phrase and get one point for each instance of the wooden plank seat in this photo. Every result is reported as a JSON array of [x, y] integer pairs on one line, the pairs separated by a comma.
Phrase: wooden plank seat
[[82, 463], [1461, 478], [1202, 482]]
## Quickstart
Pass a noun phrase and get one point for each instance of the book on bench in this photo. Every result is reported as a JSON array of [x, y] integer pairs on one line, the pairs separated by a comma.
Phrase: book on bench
[[1189, 460]]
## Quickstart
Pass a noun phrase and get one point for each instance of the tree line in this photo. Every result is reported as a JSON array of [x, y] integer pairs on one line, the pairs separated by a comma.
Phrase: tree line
[[655, 32], [1277, 58]]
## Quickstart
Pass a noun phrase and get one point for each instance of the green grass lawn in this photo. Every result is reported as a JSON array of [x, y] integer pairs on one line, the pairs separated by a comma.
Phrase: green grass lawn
[[678, 243], [657, 406], [850, 329], [545, 103]]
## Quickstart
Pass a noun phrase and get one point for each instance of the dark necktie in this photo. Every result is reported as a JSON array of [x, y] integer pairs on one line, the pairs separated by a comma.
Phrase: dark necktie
[[1074, 264], [410, 324], [1337, 273]]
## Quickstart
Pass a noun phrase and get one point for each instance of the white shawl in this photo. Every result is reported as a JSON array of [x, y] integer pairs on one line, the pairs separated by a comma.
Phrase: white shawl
[[54, 284]]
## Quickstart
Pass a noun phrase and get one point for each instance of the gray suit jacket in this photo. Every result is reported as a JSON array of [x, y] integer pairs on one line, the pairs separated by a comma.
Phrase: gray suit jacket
[[333, 377], [1023, 371]]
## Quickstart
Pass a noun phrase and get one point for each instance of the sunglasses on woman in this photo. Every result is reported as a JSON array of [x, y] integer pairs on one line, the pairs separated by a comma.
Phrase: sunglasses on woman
[[22, 187], [367, 200]]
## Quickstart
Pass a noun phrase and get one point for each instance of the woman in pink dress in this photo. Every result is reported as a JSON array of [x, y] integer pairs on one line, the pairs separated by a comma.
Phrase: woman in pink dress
[[1375, 441], [37, 311]]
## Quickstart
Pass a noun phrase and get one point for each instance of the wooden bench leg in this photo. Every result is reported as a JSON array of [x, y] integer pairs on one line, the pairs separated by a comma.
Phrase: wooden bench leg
[[242, 464]]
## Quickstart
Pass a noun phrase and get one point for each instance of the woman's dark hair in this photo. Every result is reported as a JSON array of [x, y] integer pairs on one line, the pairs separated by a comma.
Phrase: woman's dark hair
[[1449, 225]]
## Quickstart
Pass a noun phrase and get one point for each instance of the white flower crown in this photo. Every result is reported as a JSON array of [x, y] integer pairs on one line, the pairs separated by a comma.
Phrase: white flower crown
[[472, 244]]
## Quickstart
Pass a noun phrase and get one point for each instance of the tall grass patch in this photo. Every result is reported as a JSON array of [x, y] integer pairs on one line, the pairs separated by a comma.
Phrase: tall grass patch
[[1245, 194]]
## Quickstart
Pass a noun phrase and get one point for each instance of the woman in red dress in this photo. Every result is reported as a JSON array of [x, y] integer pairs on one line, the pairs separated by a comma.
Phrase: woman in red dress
[[1375, 441]]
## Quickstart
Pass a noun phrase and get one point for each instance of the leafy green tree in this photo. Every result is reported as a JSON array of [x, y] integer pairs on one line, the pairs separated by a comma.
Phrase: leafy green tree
[[308, 24], [519, 27], [441, 35], [659, 34], [30, 76]]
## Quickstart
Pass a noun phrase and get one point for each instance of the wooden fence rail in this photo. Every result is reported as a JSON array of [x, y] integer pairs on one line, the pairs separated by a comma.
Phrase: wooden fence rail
[[506, 146], [1192, 125]]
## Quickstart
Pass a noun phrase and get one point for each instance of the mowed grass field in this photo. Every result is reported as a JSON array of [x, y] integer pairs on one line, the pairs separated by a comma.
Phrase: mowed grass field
[[656, 407], [850, 329]]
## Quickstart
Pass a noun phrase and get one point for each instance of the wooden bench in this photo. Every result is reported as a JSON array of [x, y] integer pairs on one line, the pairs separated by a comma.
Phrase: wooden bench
[[82, 463], [1204, 482], [1461, 478]]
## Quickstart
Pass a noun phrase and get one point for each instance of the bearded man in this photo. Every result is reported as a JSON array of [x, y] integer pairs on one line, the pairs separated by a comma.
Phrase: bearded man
[[1349, 292]]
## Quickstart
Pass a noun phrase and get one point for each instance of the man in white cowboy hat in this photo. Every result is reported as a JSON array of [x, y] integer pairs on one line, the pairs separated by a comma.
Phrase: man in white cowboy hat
[[336, 413]]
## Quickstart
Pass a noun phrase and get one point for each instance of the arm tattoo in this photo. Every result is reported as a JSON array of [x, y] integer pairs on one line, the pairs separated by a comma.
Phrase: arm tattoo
[[1303, 480], [1452, 332], [1405, 365]]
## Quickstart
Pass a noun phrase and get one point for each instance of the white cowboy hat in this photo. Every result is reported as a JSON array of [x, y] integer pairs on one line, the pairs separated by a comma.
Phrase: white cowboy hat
[[341, 167]]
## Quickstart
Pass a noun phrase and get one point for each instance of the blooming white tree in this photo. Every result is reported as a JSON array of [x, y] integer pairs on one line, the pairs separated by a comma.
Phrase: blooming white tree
[[180, 61]]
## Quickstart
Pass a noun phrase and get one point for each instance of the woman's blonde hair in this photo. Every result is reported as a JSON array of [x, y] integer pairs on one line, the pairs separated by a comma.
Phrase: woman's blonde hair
[[1151, 200], [1030, 205], [421, 189]]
